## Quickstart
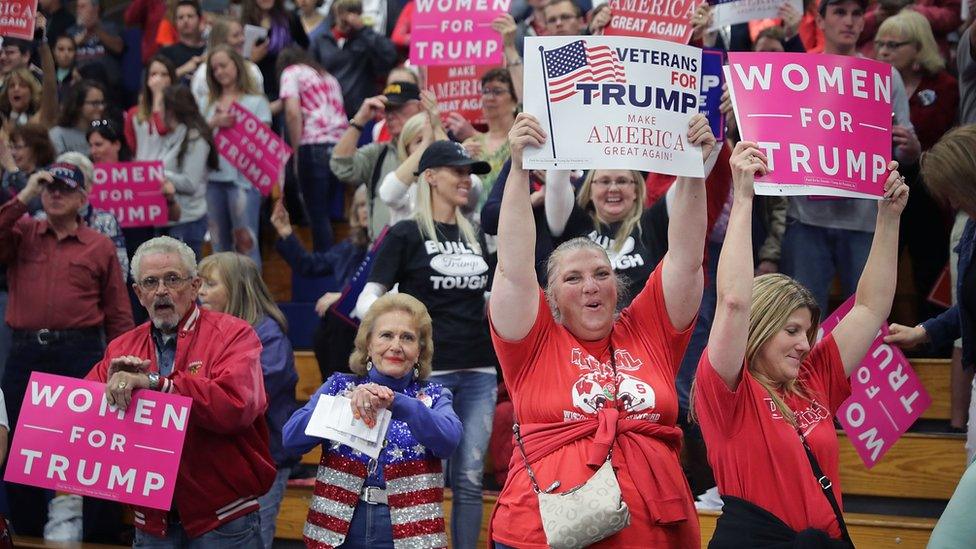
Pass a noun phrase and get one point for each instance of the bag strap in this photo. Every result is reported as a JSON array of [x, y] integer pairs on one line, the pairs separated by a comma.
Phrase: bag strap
[[827, 487], [521, 447]]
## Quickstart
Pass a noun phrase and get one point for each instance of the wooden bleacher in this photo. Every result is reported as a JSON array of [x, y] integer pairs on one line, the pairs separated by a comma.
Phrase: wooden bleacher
[[919, 466]]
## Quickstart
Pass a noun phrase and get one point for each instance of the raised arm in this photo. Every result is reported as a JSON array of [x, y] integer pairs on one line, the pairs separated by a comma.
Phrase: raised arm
[[514, 293], [876, 288], [682, 275], [559, 200], [730, 329], [48, 113]]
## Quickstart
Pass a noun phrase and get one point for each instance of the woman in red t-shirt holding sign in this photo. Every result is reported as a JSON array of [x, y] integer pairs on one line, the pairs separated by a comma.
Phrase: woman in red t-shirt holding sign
[[758, 423], [586, 380]]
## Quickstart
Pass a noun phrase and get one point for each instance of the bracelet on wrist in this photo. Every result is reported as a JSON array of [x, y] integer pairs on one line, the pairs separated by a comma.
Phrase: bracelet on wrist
[[356, 125]]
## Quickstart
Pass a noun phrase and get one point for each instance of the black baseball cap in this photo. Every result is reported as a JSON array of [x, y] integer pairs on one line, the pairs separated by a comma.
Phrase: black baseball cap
[[825, 3], [449, 153], [69, 174], [398, 93]]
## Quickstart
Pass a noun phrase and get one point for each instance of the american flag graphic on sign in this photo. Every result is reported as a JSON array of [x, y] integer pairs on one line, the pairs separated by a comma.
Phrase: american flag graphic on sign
[[575, 62]]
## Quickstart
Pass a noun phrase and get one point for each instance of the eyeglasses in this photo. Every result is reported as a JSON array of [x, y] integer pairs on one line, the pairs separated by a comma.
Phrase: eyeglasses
[[566, 17], [171, 281], [494, 92], [890, 44], [620, 182]]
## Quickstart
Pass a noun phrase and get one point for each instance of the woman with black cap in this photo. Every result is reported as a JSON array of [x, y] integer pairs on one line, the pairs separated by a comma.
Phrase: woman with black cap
[[441, 259]]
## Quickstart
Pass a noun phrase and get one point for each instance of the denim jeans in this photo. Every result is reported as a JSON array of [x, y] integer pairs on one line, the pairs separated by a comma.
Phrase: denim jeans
[[234, 213], [28, 505], [813, 255], [318, 186], [191, 233], [270, 504], [474, 402], [240, 533], [370, 528]]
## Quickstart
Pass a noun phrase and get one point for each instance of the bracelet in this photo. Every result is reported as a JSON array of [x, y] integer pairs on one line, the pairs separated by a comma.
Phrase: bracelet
[[355, 125]]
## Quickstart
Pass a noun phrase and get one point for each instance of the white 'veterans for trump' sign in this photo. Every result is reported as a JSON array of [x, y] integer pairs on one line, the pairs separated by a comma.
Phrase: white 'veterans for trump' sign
[[613, 102]]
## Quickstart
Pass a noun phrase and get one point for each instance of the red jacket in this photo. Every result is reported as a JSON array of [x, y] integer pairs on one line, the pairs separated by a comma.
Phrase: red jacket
[[146, 15], [226, 463]]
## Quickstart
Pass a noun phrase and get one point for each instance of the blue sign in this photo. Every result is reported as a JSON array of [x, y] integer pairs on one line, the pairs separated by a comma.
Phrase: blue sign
[[711, 90]]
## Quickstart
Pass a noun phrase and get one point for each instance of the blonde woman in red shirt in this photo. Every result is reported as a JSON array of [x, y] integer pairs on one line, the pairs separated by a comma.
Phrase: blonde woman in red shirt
[[766, 392]]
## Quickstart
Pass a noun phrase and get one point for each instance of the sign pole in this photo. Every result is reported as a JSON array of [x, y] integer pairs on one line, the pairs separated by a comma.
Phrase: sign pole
[[545, 82]]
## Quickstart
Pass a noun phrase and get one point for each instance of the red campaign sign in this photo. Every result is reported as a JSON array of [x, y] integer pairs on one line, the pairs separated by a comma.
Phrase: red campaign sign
[[660, 19], [253, 148], [131, 191], [458, 89], [17, 18], [886, 395]]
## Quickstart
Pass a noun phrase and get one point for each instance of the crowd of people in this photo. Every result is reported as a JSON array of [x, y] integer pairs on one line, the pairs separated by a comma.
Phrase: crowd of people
[[602, 314]]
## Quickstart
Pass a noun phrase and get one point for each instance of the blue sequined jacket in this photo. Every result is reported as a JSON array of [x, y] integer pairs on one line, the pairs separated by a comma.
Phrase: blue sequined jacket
[[423, 421]]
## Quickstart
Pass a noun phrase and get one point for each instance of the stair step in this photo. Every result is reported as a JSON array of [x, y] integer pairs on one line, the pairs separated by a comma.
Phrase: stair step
[[917, 466]]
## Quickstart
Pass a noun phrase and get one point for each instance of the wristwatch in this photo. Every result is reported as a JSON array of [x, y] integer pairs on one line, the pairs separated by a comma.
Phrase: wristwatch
[[356, 125], [153, 380]]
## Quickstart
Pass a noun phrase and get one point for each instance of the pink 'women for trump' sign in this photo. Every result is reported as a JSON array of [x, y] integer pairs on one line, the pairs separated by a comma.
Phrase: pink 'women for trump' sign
[[824, 121], [886, 395], [253, 148], [456, 32], [69, 439], [132, 191]]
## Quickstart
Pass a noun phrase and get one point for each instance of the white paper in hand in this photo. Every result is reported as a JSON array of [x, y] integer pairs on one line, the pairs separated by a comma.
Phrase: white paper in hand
[[332, 419], [252, 33]]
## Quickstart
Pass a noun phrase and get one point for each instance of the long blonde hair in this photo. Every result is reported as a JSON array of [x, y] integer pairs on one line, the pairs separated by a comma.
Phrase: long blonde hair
[[424, 216], [774, 298], [244, 81], [395, 302], [413, 126], [632, 220], [248, 297]]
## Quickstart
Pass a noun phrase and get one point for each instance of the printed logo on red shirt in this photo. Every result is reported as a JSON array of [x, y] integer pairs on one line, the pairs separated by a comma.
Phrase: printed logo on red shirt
[[806, 419], [596, 387]]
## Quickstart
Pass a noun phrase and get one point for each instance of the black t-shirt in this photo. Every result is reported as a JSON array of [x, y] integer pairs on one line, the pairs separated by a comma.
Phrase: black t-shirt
[[451, 279], [180, 53], [639, 255]]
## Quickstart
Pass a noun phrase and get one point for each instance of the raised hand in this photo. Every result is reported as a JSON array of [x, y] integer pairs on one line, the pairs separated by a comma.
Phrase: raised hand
[[700, 133], [526, 132], [746, 162], [895, 193]]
